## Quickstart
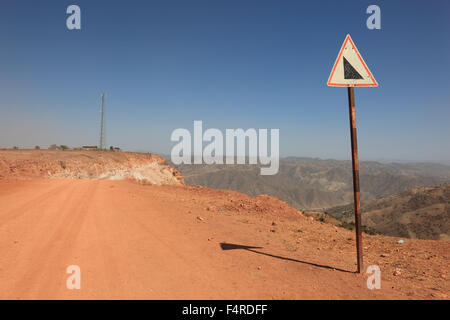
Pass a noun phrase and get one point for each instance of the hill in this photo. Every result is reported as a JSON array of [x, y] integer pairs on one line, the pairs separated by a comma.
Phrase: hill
[[315, 184], [422, 213]]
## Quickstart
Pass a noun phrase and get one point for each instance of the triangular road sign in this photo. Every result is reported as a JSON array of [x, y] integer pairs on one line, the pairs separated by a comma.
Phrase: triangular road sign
[[350, 70]]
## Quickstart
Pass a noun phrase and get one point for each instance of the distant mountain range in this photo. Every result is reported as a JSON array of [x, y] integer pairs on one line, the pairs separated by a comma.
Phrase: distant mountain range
[[315, 184], [419, 213]]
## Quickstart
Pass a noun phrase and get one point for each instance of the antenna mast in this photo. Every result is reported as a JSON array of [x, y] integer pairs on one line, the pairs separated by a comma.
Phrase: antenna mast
[[102, 143]]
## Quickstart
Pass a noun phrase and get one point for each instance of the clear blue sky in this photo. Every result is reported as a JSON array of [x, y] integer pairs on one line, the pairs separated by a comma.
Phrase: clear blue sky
[[232, 64]]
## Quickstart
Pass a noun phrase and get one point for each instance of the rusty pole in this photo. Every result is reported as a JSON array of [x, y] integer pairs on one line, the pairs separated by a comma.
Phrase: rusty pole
[[355, 165]]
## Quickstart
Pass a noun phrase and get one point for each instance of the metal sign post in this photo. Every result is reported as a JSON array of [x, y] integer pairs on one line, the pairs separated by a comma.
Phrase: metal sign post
[[355, 166], [351, 71]]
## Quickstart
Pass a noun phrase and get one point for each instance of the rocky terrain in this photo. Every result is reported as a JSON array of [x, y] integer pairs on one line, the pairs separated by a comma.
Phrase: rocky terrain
[[104, 165], [315, 184], [422, 213]]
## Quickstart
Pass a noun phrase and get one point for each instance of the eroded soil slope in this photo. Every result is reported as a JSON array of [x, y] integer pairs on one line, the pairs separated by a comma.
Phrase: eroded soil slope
[[144, 167]]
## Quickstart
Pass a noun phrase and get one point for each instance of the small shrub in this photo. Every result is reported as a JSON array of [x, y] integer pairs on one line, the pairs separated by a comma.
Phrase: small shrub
[[365, 229]]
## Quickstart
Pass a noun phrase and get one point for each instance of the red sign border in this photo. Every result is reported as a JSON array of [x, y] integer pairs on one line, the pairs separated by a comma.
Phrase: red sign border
[[374, 84]]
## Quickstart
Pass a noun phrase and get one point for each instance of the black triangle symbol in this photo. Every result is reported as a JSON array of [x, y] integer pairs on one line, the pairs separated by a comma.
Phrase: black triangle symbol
[[349, 71]]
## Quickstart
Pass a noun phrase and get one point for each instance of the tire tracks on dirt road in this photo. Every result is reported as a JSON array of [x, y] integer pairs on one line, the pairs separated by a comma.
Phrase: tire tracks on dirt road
[[47, 261]]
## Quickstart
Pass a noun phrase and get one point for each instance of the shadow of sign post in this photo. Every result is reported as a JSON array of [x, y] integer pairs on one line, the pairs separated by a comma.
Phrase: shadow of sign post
[[232, 246]]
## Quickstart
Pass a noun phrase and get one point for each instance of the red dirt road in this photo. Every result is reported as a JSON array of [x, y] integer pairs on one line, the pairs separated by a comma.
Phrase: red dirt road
[[161, 242]]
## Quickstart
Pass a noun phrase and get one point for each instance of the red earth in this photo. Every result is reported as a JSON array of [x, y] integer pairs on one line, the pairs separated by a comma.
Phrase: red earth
[[134, 241]]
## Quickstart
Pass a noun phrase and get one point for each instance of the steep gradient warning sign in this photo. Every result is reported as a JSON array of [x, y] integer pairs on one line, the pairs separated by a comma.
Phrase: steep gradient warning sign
[[350, 70]]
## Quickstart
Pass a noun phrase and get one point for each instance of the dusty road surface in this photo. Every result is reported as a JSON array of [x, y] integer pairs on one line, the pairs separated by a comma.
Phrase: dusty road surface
[[176, 242]]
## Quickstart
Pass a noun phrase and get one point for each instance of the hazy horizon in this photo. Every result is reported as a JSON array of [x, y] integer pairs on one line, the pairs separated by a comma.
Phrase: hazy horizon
[[167, 154]]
